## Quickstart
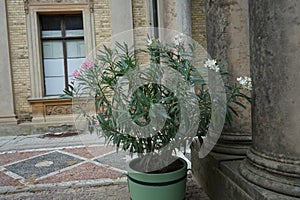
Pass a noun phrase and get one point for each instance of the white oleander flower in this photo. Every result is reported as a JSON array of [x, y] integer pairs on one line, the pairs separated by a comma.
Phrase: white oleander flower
[[212, 65], [149, 41], [245, 82]]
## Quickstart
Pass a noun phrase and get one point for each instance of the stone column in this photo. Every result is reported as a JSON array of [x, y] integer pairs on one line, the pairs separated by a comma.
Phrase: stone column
[[273, 161], [228, 39], [175, 15], [6, 93], [183, 17], [121, 21]]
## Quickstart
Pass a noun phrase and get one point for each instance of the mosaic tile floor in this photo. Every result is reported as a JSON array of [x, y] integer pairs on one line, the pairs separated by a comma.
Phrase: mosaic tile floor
[[43, 164], [63, 166]]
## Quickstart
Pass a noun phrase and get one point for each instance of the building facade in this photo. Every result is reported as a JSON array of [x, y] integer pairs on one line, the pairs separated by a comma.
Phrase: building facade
[[43, 41]]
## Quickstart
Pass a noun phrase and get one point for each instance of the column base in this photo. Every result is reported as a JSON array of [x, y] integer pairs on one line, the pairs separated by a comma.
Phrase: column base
[[8, 119], [219, 176], [233, 143], [279, 175]]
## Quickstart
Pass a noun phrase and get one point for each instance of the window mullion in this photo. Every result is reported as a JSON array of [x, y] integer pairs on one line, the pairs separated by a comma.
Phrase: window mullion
[[63, 28]]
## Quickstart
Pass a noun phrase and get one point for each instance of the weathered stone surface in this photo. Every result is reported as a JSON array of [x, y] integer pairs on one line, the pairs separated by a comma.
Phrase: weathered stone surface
[[215, 183], [273, 161], [228, 40], [219, 176]]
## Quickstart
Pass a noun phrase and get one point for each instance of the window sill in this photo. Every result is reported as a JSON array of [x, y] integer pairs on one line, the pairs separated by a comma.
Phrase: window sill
[[47, 109]]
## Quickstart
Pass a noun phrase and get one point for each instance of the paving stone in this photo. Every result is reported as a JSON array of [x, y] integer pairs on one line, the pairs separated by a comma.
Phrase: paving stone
[[6, 158], [108, 192], [117, 160], [85, 171], [7, 180], [115, 192], [80, 178], [29, 169], [90, 151]]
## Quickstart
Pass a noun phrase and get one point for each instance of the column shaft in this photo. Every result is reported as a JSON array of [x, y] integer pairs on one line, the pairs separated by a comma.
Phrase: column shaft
[[228, 40], [273, 161]]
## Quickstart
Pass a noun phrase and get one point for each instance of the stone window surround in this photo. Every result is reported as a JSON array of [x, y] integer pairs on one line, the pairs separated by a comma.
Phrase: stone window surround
[[33, 8], [33, 36]]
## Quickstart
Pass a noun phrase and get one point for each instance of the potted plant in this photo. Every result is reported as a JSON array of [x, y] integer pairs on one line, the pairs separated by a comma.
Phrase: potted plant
[[139, 108]]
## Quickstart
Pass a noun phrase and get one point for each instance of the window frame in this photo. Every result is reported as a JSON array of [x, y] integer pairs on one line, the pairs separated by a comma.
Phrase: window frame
[[64, 39], [34, 40]]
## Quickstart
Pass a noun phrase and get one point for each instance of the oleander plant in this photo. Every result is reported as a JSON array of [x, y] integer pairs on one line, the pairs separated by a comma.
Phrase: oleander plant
[[147, 117]]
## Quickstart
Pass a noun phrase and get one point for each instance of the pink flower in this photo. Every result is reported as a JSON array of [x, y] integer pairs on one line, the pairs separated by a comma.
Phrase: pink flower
[[76, 73], [174, 57], [87, 64], [198, 92]]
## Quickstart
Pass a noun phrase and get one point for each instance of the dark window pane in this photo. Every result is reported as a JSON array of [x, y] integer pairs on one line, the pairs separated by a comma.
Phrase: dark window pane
[[73, 22], [50, 22]]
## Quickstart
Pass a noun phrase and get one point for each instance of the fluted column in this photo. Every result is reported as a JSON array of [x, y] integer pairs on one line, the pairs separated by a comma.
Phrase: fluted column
[[273, 161], [228, 40]]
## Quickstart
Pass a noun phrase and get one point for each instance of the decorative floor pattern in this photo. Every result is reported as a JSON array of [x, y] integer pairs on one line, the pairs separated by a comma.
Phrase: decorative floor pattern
[[66, 165], [90, 151], [10, 157], [117, 160], [85, 171], [6, 180], [42, 165]]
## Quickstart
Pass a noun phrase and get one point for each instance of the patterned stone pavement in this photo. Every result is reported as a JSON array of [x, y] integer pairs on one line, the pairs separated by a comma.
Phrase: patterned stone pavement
[[78, 172]]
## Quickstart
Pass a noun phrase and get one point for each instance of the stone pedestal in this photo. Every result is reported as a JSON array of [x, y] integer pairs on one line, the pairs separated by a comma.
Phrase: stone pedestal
[[228, 40], [6, 92], [273, 161]]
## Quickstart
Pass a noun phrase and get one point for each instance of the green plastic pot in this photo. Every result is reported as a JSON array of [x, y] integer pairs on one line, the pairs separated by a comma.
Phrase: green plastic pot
[[163, 186]]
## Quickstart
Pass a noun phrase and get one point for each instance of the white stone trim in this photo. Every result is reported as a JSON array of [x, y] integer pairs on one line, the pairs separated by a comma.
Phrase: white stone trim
[[33, 37], [7, 114]]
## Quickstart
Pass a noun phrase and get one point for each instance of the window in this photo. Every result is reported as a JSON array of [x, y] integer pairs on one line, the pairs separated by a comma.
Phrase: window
[[155, 18], [62, 40]]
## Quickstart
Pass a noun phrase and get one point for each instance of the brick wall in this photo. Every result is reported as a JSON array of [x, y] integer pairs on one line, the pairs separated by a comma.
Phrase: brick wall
[[139, 15], [19, 56], [102, 21]]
